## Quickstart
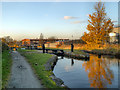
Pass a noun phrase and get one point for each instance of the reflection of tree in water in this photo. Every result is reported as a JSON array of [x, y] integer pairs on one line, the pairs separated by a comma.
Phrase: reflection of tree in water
[[99, 72]]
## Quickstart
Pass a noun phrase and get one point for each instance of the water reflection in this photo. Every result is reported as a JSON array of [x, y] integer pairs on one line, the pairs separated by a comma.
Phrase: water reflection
[[118, 63], [62, 57], [72, 62], [99, 72]]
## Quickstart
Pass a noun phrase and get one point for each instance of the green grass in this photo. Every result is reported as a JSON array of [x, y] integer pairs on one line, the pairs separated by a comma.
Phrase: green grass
[[6, 67], [39, 69]]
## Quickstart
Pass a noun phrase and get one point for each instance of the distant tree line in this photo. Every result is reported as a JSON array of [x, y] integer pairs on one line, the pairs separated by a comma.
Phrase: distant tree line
[[4, 46], [7, 42]]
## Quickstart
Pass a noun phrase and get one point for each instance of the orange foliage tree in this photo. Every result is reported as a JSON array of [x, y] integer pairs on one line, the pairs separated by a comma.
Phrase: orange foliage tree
[[99, 26]]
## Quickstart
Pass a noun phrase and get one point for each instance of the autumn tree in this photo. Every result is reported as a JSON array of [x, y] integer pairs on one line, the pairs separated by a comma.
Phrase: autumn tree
[[7, 39], [99, 26]]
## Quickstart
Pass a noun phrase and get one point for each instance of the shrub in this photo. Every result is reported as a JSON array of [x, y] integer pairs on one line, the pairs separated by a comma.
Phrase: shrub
[[4, 47]]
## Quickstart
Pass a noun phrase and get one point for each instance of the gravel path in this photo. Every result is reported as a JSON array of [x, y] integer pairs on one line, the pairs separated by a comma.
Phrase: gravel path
[[22, 75]]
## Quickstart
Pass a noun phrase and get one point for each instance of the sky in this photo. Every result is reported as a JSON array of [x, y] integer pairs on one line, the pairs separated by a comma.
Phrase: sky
[[61, 19]]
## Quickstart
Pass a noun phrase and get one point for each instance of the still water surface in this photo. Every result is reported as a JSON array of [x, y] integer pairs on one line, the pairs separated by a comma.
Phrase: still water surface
[[95, 73]]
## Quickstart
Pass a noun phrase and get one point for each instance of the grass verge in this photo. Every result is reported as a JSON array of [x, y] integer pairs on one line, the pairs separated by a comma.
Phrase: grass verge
[[6, 67], [37, 61]]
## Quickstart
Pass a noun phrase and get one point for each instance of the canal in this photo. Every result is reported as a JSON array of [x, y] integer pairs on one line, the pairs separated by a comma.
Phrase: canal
[[95, 73]]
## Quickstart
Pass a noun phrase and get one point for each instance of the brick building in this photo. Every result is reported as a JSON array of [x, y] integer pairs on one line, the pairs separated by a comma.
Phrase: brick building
[[115, 35], [38, 42]]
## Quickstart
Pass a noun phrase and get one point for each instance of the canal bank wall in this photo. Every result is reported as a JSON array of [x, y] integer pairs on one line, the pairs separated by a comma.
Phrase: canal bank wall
[[50, 66], [102, 52]]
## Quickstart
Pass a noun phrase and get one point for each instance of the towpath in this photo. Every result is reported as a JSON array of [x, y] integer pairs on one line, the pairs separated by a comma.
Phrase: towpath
[[22, 75]]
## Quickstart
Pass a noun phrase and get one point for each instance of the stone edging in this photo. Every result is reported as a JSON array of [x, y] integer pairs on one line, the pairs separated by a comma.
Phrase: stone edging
[[76, 56], [49, 66], [117, 55]]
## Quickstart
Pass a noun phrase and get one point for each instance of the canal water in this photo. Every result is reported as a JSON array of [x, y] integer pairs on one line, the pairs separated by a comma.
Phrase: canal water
[[95, 73]]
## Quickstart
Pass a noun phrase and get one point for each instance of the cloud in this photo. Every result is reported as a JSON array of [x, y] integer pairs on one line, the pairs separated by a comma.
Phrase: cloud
[[69, 17], [77, 22]]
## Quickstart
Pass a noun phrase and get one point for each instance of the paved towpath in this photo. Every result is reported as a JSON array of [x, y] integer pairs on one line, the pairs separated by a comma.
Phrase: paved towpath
[[22, 75]]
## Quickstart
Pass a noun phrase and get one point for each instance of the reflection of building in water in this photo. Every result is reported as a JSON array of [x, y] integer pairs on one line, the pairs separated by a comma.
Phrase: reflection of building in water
[[99, 72]]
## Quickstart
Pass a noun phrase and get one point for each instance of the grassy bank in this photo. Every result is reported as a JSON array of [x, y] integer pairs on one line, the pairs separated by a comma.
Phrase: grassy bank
[[37, 61], [6, 67]]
